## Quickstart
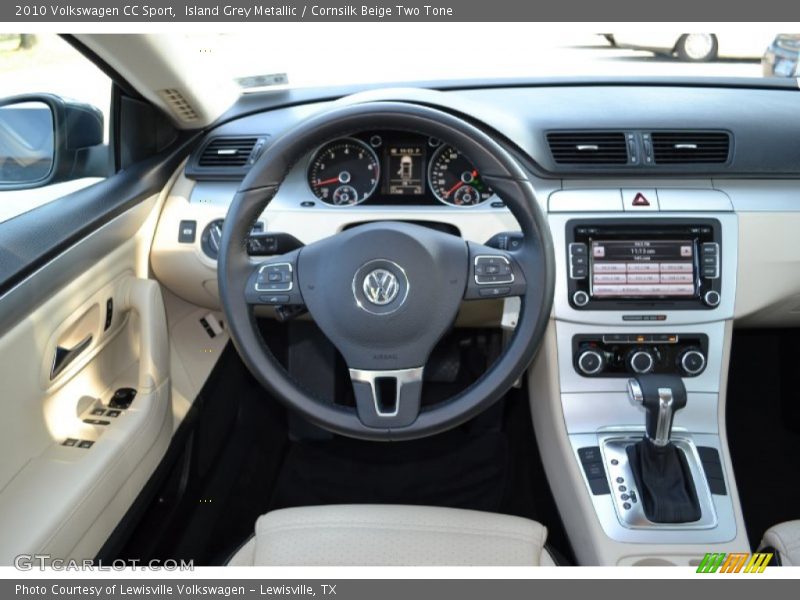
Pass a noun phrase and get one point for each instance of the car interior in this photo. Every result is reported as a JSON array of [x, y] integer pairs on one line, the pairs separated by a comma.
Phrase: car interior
[[484, 322]]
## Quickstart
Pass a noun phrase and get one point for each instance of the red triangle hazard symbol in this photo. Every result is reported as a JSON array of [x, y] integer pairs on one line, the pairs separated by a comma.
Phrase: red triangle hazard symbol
[[640, 200]]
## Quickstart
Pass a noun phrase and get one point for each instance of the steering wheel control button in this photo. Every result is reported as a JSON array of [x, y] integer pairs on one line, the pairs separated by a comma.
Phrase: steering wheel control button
[[275, 278], [495, 292], [491, 270], [380, 287], [580, 298], [275, 299]]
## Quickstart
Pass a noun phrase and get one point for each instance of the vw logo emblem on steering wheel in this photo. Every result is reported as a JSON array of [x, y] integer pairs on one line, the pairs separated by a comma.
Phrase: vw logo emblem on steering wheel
[[380, 287]]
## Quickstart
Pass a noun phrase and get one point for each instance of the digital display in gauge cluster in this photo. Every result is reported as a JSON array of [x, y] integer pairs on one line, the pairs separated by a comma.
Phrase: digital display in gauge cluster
[[394, 168], [405, 169]]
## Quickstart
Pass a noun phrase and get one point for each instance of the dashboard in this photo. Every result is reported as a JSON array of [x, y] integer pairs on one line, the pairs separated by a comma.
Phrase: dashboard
[[385, 174]]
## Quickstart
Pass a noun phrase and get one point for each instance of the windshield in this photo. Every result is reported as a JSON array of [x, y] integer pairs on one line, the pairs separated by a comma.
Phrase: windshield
[[324, 54]]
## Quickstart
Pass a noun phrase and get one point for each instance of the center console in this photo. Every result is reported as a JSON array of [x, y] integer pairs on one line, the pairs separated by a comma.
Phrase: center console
[[638, 353]]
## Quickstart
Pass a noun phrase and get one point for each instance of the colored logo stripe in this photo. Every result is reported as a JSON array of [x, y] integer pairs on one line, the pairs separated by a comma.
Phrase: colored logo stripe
[[734, 562]]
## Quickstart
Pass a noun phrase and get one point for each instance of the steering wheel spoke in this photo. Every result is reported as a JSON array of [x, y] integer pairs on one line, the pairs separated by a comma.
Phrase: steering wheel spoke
[[274, 282], [387, 399], [493, 273]]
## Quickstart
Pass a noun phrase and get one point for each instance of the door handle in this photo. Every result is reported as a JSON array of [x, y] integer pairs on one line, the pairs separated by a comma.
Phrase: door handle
[[64, 356]]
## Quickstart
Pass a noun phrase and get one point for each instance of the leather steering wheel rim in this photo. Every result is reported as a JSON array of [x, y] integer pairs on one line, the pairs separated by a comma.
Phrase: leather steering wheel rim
[[498, 169]]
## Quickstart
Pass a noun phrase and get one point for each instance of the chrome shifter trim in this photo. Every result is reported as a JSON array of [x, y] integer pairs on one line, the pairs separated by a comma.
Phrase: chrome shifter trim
[[628, 505], [663, 425]]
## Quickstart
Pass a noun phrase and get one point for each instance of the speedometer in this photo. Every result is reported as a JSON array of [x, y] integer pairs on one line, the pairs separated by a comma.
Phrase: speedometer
[[454, 180], [344, 172]]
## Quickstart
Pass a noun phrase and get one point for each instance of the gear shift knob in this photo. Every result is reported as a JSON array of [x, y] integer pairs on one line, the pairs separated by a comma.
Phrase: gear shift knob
[[661, 396]]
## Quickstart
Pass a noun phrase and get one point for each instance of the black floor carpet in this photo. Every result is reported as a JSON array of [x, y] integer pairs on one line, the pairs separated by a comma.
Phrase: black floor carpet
[[763, 421], [243, 464], [459, 471]]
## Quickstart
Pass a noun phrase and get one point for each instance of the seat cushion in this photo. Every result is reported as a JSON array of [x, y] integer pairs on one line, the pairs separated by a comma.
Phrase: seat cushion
[[785, 538], [392, 535]]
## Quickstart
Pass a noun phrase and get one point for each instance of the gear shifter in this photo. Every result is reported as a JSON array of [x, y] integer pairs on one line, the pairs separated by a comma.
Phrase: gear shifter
[[660, 404], [659, 467]]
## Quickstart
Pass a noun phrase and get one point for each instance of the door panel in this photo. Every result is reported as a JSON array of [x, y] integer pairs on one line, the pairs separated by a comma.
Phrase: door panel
[[66, 499]]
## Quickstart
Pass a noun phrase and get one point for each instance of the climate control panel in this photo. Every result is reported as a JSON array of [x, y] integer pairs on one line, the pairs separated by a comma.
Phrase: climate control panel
[[626, 354]]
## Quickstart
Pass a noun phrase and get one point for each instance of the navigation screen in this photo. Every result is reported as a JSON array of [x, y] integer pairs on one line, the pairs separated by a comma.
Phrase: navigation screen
[[405, 169], [630, 268]]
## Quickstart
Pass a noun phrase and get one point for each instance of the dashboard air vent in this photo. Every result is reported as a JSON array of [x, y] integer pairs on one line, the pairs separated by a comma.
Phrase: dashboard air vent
[[224, 152], [588, 147], [690, 147]]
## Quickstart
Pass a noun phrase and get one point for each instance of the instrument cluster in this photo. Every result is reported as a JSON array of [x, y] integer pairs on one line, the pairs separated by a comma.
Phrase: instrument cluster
[[394, 168]]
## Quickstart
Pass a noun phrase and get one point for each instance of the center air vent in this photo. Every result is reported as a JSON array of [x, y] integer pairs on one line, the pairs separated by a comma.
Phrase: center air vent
[[588, 147], [690, 147], [230, 152]]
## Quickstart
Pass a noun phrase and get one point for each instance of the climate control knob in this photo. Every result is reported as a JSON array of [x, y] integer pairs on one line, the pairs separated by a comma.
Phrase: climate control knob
[[591, 362], [641, 361], [692, 362]]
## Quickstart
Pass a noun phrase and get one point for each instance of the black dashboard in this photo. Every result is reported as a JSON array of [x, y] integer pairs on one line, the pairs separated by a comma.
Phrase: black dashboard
[[745, 117]]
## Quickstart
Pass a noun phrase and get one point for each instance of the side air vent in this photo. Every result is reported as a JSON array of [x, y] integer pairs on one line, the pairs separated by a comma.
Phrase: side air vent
[[179, 105], [588, 147], [226, 157], [691, 147], [227, 152]]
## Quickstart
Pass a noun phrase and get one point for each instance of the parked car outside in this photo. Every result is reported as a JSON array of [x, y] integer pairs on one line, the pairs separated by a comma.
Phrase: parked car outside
[[782, 56], [691, 47]]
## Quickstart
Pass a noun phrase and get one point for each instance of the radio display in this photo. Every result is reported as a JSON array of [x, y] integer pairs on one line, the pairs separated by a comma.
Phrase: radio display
[[642, 268]]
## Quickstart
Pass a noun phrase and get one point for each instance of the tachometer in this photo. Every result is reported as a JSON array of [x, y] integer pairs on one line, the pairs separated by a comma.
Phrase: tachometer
[[344, 172], [454, 180]]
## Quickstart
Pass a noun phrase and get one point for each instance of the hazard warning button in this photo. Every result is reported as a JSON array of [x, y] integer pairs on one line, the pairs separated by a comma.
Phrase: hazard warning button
[[637, 199]]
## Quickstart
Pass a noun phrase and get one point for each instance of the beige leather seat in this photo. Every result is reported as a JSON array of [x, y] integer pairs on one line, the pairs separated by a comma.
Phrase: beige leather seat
[[785, 538], [390, 535]]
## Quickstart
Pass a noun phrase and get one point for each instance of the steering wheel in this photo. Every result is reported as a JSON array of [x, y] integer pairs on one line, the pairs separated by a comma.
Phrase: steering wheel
[[384, 293]]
